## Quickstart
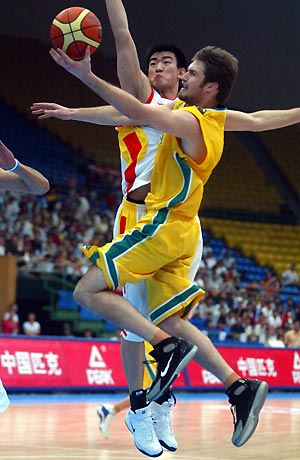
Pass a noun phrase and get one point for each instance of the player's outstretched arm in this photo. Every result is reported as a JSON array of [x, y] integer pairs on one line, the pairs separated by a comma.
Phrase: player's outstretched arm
[[262, 120], [103, 115], [15, 176], [130, 75]]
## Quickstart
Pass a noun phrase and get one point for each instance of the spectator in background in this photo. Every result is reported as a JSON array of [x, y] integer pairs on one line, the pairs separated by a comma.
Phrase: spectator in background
[[260, 329], [209, 259], [214, 284], [290, 276], [276, 340], [203, 308], [231, 319], [267, 308], [275, 320], [67, 330], [10, 320], [237, 329], [247, 323], [221, 320], [88, 334], [297, 313], [31, 326], [292, 337], [229, 261], [288, 315]]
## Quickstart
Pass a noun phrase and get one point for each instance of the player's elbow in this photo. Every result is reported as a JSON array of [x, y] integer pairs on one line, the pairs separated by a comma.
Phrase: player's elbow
[[122, 37], [42, 188]]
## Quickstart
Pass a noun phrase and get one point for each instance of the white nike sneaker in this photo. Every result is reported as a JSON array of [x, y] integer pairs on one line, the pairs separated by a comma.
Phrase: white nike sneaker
[[140, 424], [4, 400], [162, 423], [106, 413]]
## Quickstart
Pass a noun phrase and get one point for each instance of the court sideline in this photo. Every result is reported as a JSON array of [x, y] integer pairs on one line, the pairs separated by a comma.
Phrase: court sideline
[[65, 426]]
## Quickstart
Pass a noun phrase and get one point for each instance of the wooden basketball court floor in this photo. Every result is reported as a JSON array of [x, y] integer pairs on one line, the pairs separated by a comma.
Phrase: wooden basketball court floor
[[65, 427]]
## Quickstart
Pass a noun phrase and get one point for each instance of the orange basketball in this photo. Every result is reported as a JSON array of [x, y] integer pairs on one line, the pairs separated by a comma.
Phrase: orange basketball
[[75, 28]]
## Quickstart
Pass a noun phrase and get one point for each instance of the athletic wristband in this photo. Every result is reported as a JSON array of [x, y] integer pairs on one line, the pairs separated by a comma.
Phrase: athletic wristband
[[15, 167]]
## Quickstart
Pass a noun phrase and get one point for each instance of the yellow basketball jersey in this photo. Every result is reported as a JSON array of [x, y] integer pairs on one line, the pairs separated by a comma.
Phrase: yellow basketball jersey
[[180, 187]]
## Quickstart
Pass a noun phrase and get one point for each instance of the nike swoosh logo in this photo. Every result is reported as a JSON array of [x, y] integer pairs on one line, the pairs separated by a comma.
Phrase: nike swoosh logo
[[163, 373]]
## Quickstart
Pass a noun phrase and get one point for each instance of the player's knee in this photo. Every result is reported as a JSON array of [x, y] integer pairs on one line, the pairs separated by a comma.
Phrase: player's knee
[[79, 294], [172, 325]]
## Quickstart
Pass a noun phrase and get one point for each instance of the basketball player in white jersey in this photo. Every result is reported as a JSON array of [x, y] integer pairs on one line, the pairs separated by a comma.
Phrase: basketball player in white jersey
[[166, 65], [16, 177]]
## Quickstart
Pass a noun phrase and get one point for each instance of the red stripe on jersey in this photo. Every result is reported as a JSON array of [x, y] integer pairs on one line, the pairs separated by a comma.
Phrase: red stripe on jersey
[[122, 225], [150, 98], [134, 147]]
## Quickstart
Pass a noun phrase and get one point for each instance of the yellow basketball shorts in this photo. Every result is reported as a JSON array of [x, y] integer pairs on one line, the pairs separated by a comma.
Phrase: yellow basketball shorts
[[128, 214], [158, 249], [150, 367]]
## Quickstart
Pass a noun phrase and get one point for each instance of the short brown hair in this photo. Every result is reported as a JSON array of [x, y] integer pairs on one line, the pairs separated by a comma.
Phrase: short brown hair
[[220, 67]]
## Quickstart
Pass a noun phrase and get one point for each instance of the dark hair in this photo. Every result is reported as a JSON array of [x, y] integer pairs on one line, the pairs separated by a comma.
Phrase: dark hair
[[220, 67], [180, 57]]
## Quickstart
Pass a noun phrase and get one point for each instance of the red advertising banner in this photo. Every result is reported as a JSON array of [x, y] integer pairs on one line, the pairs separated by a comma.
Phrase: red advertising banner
[[60, 363], [278, 367], [70, 364]]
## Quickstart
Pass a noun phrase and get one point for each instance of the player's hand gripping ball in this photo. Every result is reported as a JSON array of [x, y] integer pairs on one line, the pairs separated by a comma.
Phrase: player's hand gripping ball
[[75, 28]]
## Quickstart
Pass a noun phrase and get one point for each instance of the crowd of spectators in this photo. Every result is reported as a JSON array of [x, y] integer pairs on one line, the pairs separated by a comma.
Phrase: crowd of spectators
[[245, 311], [10, 323], [45, 234]]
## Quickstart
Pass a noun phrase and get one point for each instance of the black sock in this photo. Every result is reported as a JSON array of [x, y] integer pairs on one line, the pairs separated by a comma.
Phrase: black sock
[[138, 399]]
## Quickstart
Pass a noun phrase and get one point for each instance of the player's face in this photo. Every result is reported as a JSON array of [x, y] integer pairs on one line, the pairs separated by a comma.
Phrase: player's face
[[193, 86], [163, 71]]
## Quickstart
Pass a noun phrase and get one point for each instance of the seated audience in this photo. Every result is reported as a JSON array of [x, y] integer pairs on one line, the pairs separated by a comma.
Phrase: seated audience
[[31, 326], [292, 337], [10, 320]]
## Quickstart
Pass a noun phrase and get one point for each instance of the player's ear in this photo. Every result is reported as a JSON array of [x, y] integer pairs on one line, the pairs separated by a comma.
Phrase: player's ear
[[181, 71], [212, 86]]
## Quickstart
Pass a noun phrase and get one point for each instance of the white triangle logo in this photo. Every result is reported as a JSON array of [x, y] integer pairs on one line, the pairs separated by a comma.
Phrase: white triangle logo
[[296, 361], [96, 359]]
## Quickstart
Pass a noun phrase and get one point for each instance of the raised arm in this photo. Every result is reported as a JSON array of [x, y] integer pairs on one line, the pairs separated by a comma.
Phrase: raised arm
[[157, 116], [263, 120], [130, 75], [22, 178]]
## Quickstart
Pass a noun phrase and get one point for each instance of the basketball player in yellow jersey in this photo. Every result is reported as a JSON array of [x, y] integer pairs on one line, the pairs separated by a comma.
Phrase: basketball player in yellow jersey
[[192, 149], [135, 82], [201, 85], [138, 146]]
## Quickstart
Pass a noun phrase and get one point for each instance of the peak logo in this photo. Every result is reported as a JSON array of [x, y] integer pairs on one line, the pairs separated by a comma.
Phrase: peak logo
[[98, 373], [96, 359], [296, 361], [296, 369]]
